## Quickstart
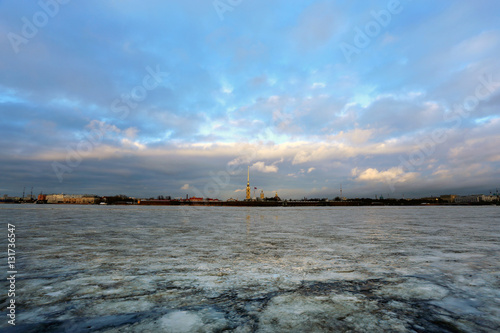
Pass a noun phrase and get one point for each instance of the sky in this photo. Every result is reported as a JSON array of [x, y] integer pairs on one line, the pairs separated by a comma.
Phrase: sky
[[147, 98]]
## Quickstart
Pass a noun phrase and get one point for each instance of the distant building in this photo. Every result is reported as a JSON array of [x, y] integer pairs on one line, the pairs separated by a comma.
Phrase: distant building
[[475, 198], [55, 198], [467, 198], [488, 198], [72, 199], [261, 194], [8, 199], [448, 198]]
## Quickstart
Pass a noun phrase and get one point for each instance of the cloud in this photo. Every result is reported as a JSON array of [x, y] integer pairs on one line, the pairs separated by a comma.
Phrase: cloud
[[318, 85], [390, 176], [131, 132], [185, 187], [477, 45], [262, 167], [132, 144], [311, 169], [356, 136]]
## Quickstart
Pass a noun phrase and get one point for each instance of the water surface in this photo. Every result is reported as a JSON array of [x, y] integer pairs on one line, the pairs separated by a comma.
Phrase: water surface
[[249, 269]]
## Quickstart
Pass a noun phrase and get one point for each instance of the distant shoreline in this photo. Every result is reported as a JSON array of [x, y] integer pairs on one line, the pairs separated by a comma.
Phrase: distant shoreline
[[274, 204]]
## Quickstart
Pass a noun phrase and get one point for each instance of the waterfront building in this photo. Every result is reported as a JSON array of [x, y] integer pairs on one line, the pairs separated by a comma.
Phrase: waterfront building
[[8, 199], [488, 198], [80, 199], [475, 198], [448, 198], [55, 198], [467, 198]]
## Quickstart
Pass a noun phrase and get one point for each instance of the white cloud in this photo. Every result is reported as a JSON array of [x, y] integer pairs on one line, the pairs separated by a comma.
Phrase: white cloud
[[311, 170], [357, 135], [391, 176], [132, 144], [318, 85], [131, 132], [185, 187], [227, 89], [262, 167]]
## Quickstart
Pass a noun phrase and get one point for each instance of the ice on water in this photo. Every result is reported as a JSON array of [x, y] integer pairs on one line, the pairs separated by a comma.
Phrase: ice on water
[[210, 269]]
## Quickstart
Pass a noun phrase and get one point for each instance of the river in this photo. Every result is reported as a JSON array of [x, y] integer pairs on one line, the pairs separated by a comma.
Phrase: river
[[250, 269]]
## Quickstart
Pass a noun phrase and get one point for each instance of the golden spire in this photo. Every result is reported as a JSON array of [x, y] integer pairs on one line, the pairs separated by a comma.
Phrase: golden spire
[[248, 185]]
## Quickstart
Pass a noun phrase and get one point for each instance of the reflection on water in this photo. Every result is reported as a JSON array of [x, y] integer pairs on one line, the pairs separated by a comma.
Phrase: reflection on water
[[243, 269], [248, 224]]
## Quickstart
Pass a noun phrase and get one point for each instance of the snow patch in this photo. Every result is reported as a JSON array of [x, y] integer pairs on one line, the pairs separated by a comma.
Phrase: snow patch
[[180, 322]]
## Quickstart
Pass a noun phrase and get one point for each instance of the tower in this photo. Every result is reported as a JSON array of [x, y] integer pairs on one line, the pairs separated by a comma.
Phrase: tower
[[261, 194], [248, 185]]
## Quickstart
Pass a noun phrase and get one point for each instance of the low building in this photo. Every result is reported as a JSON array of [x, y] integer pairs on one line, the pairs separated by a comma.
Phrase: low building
[[488, 198], [7, 199], [476, 198], [55, 198], [460, 199], [77, 199], [450, 198]]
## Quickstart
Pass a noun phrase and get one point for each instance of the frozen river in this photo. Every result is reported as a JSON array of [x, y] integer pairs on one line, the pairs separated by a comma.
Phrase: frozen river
[[212, 269]]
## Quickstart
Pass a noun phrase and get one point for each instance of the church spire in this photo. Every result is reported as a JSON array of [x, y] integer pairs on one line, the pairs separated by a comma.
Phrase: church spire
[[248, 185]]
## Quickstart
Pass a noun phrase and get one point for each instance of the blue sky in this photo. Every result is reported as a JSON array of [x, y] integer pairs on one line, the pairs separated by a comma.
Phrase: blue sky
[[145, 98]]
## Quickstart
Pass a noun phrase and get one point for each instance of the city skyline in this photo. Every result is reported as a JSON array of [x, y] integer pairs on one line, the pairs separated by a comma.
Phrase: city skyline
[[384, 97]]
